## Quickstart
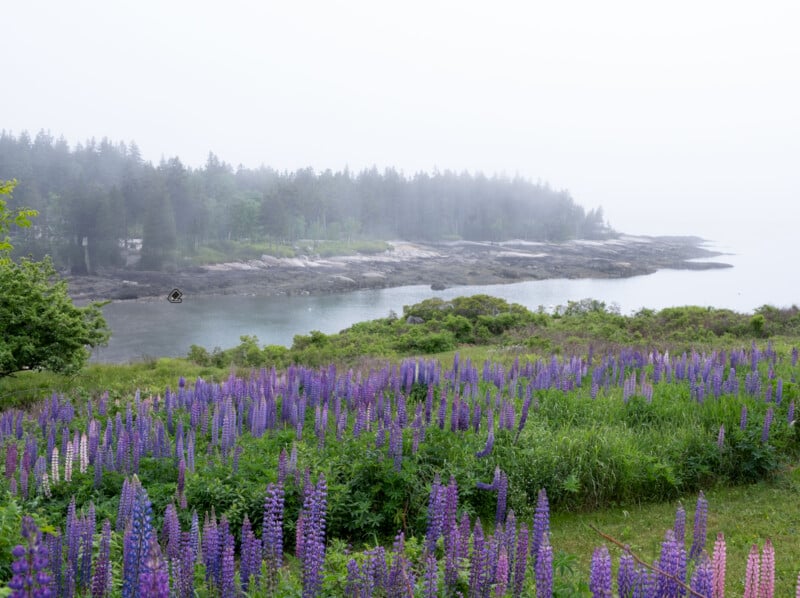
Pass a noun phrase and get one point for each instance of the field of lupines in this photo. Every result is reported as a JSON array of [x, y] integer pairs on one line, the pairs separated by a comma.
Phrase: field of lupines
[[411, 479]]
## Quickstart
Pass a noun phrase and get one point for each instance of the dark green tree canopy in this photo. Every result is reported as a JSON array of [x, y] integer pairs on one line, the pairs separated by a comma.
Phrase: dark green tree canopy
[[96, 196]]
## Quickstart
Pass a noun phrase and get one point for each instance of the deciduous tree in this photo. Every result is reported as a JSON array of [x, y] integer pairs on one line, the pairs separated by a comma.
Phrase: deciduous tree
[[40, 327]]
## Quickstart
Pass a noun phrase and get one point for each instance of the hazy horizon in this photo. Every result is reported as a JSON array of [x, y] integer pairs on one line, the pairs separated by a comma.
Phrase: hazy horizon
[[676, 119]]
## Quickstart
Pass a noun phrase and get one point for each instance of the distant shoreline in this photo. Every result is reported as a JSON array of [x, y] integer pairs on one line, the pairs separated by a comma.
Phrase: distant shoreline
[[439, 265]]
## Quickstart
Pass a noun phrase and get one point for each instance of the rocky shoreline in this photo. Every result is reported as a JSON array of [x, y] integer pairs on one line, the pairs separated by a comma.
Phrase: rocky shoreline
[[438, 265]]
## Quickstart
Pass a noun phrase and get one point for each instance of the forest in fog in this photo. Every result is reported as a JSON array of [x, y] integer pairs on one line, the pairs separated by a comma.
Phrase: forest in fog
[[94, 197]]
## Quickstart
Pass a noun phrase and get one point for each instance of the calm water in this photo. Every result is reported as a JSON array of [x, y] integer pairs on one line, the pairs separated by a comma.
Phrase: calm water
[[761, 275]]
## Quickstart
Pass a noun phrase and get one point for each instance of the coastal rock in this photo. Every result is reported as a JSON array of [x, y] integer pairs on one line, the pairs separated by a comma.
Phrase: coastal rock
[[447, 264]]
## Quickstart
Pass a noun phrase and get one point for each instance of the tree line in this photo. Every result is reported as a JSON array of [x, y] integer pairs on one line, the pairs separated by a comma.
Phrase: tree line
[[95, 196]]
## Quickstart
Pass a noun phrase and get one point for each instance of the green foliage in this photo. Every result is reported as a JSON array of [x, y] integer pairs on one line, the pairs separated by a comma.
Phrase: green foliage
[[10, 521], [17, 217], [757, 324], [460, 326], [442, 326], [419, 340], [332, 248], [40, 328], [568, 580]]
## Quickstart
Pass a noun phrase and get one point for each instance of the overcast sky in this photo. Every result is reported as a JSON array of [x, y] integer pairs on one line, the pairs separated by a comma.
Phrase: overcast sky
[[676, 117]]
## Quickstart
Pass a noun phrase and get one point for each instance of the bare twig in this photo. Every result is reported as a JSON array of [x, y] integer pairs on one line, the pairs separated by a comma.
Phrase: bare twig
[[644, 564]]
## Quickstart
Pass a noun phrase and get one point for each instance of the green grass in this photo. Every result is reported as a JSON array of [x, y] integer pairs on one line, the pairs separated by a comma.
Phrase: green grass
[[332, 248], [747, 515], [227, 251], [150, 376]]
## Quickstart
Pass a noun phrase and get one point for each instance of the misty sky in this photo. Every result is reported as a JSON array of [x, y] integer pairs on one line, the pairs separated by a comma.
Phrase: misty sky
[[676, 117]]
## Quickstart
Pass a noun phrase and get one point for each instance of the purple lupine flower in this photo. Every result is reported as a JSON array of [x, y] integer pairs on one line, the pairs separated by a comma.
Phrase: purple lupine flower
[[98, 467], [23, 482], [181, 483], [672, 562], [126, 500], [87, 535], [450, 532], [541, 525], [703, 577], [721, 437], [600, 576], [680, 524], [11, 460], [790, 414], [489, 565], [374, 574], [525, 407], [743, 418], [190, 451], [314, 511], [521, 560], [272, 532], [436, 508], [211, 546], [227, 582], [477, 562], [101, 581], [502, 572], [430, 589], [72, 536], [626, 575], [283, 463], [154, 577], [184, 575], [31, 577], [237, 453], [442, 410], [699, 534], [401, 577], [767, 423], [502, 497], [463, 536], [509, 536], [544, 571], [299, 534], [451, 560], [171, 532], [487, 449], [137, 541], [39, 473], [55, 549], [396, 445], [353, 587], [251, 557], [493, 485]]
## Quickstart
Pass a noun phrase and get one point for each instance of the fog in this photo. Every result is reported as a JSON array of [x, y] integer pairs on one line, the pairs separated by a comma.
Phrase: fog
[[676, 118]]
